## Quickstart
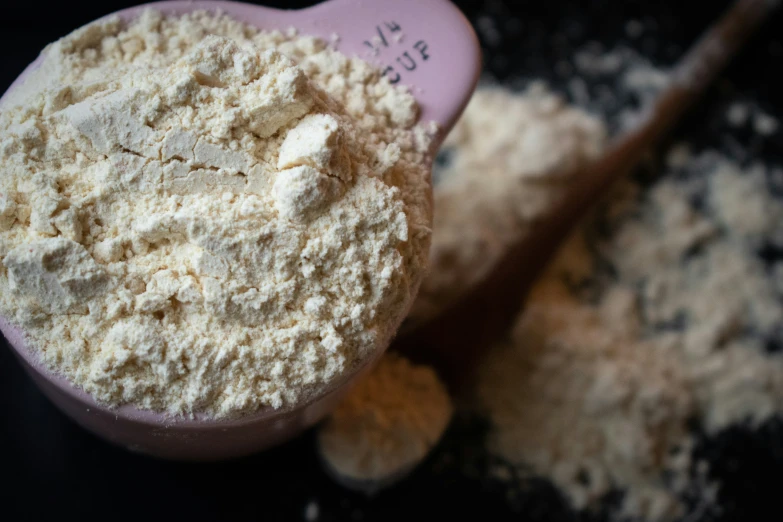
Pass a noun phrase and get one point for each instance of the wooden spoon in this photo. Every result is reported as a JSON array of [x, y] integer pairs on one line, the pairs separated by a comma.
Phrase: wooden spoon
[[454, 341]]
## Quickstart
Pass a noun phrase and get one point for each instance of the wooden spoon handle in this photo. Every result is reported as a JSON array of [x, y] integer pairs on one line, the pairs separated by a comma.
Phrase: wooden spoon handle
[[454, 340], [695, 71]]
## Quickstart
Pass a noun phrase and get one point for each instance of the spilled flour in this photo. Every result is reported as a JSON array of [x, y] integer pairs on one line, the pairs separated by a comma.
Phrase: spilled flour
[[660, 314], [657, 316], [508, 161], [633, 334], [629, 336], [387, 424], [196, 216]]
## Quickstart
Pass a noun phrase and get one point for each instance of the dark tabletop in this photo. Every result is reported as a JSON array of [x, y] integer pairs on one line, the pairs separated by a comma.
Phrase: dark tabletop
[[52, 468]]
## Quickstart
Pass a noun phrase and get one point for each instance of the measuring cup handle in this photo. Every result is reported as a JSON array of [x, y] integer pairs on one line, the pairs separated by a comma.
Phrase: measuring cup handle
[[427, 45]]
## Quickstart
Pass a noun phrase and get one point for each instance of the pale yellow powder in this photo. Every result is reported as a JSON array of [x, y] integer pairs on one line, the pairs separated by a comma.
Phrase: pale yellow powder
[[199, 217], [387, 424], [628, 338], [509, 159], [577, 397], [606, 368]]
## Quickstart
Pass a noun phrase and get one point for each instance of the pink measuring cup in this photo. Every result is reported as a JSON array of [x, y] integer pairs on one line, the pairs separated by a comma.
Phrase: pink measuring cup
[[426, 45]]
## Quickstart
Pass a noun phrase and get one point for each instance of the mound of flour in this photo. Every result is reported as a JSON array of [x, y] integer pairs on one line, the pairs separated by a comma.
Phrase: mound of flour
[[509, 160], [196, 216]]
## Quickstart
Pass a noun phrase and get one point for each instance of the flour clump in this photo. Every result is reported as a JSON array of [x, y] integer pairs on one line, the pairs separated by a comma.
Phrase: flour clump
[[196, 216], [387, 424], [56, 273]]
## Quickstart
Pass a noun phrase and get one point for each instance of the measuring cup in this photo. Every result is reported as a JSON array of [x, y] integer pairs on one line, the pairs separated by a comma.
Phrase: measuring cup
[[426, 45]]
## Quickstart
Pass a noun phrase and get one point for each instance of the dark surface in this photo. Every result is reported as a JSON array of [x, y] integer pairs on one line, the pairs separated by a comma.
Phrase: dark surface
[[54, 469]]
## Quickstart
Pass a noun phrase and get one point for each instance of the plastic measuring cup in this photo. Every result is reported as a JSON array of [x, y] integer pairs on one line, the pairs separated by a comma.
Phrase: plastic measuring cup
[[425, 44]]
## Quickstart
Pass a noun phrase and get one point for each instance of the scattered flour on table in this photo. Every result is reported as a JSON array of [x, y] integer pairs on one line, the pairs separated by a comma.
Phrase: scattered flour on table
[[312, 511], [740, 113], [618, 83], [765, 124], [196, 216], [387, 424], [656, 313], [628, 337]]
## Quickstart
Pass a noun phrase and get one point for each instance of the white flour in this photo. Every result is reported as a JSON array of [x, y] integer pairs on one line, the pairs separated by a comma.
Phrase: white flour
[[511, 157], [388, 423], [618, 83], [208, 223], [627, 338]]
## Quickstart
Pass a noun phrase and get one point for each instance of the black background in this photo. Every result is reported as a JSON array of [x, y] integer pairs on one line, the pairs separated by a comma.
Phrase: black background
[[51, 468]]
